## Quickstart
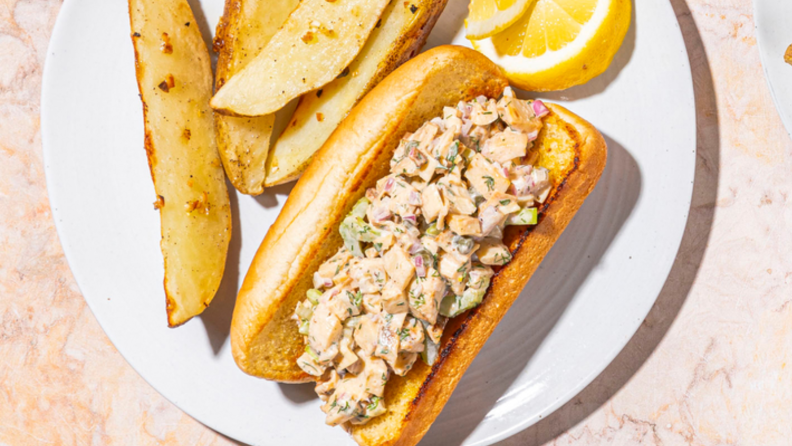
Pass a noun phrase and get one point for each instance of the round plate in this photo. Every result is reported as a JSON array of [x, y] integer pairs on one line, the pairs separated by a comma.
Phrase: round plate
[[578, 311], [774, 36]]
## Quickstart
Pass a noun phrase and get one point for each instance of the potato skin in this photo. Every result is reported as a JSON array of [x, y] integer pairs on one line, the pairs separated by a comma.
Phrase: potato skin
[[401, 33], [175, 82], [243, 31], [264, 339]]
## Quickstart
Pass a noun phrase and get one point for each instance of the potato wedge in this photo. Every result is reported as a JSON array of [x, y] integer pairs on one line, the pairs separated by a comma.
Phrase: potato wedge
[[316, 43], [175, 81], [245, 28], [401, 33]]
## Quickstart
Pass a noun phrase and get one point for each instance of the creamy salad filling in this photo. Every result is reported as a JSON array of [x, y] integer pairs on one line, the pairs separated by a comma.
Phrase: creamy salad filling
[[419, 249]]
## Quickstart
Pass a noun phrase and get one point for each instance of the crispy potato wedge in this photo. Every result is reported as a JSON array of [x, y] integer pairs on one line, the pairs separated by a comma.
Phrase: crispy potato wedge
[[244, 30], [401, 33], [175, 81], [316, 43], [265, 340]]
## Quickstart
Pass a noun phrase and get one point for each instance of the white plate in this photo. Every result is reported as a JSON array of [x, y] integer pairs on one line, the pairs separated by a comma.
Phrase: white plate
[[581, 307], [774, 34]]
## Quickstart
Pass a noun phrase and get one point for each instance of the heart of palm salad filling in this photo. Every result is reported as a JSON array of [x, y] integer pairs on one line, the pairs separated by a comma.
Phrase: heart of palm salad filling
[[418, 250]]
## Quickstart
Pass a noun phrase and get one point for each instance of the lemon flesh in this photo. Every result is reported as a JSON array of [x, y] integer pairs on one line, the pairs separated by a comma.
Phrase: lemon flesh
[[557, 44], [489, 17]]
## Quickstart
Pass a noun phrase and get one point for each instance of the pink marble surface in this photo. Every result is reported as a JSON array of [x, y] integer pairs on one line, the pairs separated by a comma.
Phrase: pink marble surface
[[708, 366]]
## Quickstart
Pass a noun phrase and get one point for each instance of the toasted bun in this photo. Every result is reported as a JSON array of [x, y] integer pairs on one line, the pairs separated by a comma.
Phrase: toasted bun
[[265, 341]]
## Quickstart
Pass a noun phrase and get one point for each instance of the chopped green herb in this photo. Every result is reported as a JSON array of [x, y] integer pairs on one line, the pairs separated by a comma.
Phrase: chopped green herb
[[477, 142], [306, 364], [453, 151], [490, 182]]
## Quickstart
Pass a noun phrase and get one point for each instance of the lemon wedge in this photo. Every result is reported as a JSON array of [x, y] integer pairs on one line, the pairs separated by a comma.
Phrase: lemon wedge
[[489, 17], [557, 44]]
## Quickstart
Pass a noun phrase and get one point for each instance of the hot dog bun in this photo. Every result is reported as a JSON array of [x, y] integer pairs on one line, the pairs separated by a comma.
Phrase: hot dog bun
[[265, 341]]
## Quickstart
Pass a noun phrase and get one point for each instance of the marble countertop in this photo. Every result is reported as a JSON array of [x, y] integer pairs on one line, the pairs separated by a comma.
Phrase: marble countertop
[[707, 367]]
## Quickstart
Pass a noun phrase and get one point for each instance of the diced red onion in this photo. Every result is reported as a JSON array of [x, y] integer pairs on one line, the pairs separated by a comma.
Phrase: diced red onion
[[411, 218], [328, 283], [533, 135], [466, 126], [506, 172], [420, 269], [482, 99], [380, 214], [389, 184], [415, 247], [539, 108]]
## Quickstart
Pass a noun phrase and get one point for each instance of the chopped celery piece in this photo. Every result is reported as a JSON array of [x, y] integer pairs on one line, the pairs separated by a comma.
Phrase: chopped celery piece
[[304, 327], [453, 306], [431, 350], [314, 295], [312, 353], [351, 227], [304, 311], [526, 216], [359, 209], [352, 322], [366, 232], [349, 234]]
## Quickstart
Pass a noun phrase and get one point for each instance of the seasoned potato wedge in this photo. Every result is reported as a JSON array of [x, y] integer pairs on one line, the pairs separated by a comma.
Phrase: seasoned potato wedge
[[400, 34], [243, 31], [175, 81], [316, 43]]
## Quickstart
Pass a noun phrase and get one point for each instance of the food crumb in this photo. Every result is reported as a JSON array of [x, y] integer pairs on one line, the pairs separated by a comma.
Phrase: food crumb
[[319, 116], [309, 37], [166, 46], [168, 83], [788, 55]]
